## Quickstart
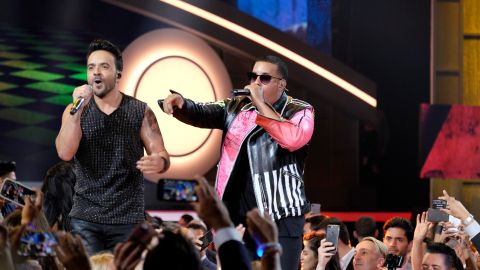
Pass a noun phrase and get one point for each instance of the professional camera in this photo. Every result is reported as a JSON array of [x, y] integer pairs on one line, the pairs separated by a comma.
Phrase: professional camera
[[393, 261]]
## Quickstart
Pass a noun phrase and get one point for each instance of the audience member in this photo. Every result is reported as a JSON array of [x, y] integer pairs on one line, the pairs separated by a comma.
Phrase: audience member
[[365, 226], [439, 256], [7, 170], [184, 220], [345, 249], [199, 230], [102, 261], [58, 188], [312, 222], [370, 254], [398, 236], [318, 254]]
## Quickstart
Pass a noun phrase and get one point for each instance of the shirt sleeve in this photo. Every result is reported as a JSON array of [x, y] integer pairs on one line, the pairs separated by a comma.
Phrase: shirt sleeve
[[290, 134], [226, 234]]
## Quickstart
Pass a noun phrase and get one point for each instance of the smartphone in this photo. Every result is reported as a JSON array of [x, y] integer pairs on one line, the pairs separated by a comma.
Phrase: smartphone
[[16, 192], [315, 208], [435, 215], [206, 239], [332, 235], [177, 190], [439, 204], [37, 244]]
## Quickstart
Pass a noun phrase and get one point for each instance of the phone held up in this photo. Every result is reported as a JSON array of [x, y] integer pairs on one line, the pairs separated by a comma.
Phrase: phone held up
[[16, 192], [177, 190], [37, 244], [206, 239], [333, 231], [434, 213]]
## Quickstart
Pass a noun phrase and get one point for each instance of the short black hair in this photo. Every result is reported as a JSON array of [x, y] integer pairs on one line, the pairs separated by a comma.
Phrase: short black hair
[[365, 226], [399, 222], [281, 65], [451, 258], [7, 167], [105, 45], [172, 252], [187, 218]]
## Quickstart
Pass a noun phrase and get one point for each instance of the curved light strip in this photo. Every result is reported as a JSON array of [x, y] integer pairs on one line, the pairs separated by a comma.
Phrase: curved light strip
[[275, 47]]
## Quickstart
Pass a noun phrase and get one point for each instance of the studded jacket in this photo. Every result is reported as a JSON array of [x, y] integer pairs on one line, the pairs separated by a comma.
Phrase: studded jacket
[[276, 169]]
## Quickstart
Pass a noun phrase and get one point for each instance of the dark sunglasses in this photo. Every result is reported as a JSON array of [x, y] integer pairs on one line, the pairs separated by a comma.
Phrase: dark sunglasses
[[264, 78]]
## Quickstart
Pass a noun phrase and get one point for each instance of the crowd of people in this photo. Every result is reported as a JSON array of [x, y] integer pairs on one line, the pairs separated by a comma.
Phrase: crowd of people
[[255, 217]]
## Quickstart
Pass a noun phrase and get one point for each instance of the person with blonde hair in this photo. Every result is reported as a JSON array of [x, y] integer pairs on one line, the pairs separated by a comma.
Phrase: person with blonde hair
[[102, 261]]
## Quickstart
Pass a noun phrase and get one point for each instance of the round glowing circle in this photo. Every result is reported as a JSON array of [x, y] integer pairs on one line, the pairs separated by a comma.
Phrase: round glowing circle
[[164, 73], [173, 59]]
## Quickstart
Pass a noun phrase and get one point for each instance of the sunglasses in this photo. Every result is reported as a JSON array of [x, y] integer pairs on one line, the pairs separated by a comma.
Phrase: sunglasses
[[264, 78]]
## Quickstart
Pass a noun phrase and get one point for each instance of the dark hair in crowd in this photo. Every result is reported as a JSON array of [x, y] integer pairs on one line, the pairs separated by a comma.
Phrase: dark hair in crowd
[[7, 167], [105, 45], [272, 59], [343, 235], [173, 252], [313, 240], [365, 226], [450, 257], [398, 222], [315, 221], [58, 187]]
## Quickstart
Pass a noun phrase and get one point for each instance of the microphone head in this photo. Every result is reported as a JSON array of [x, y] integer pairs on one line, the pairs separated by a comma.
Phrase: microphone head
[[241, 92]]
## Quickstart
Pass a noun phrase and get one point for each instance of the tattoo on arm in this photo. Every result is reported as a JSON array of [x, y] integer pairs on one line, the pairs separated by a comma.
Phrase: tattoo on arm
[[153, 128]]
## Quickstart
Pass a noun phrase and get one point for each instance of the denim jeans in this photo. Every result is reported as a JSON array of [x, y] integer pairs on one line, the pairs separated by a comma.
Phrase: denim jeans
[[98, 237]]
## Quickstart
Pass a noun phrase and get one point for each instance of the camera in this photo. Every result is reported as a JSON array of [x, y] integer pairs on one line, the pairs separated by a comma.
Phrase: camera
[[393, 261]]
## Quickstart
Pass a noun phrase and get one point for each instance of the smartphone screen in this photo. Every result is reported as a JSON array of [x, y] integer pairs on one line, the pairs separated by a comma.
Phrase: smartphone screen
[[315, 208], [435, 215], [177, 190], [206, 239], [37, 244], [16, 192], [333, 231], [439, 204]]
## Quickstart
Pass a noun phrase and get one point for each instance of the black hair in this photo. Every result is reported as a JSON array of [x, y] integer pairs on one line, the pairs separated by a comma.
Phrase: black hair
[[399, 222], [315, 221], [313, 240], [365, 226], [281, 65], [187, 218], [58, 187], [105, 45], [197, 226], [7, 167], [172, 252], [450, 257]]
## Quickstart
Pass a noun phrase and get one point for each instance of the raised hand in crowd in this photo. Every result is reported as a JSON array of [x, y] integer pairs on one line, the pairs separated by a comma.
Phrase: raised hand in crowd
[[420, 233], [454, 207], [325, 252], [71, 252], [209, 208], [265, 233], [128, 254]]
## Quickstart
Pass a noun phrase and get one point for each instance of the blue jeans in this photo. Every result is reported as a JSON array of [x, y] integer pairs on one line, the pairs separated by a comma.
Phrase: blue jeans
[[98, 237]]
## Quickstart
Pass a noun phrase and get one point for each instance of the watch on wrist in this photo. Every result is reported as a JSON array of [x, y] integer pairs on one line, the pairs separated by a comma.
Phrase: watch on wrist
[[468, 220]]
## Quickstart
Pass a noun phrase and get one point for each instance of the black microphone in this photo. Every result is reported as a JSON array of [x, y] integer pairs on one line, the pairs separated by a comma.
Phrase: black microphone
[[241, 92], [76, 105]]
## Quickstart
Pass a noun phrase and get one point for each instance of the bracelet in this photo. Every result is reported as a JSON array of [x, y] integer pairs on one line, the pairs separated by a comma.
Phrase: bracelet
[[267, 248], [166, 164]]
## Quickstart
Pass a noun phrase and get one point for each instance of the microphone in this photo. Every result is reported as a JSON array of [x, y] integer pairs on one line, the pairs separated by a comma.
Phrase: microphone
[[76, 105], [241, 92]]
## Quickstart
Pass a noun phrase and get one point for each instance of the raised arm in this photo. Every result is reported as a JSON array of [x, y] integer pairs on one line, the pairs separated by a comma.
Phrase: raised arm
[[157, 159], [70, 134]]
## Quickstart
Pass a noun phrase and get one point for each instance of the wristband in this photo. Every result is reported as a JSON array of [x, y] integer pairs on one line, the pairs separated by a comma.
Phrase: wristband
[[269, 247]]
